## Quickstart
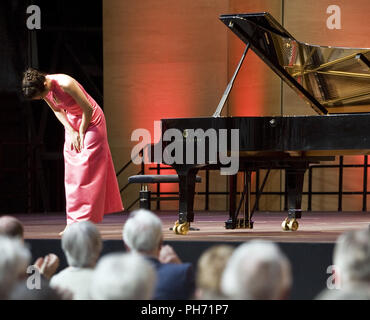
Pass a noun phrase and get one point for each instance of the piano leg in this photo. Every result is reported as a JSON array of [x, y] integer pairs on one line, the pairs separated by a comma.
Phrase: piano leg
[[294, 184], [187, 178], [231, 222]]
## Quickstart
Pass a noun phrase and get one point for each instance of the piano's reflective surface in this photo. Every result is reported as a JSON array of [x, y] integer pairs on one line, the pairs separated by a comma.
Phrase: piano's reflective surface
[[333, 80]]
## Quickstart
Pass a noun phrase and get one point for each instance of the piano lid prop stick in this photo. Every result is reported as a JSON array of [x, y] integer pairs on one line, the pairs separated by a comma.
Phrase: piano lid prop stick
[[230, 85]]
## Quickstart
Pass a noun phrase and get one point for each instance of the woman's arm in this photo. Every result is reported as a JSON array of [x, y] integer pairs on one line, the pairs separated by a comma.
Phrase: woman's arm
[[69, 85], [62, 117]]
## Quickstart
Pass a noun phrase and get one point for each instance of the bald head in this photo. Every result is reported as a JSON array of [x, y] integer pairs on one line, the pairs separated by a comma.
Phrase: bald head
[[11, 227]]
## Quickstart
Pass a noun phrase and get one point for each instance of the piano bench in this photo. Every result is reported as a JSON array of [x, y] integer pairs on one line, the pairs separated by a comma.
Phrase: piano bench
[[145, 179]]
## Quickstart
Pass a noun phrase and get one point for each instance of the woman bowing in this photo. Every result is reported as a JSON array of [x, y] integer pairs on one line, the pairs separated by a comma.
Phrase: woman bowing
[[91, 186]]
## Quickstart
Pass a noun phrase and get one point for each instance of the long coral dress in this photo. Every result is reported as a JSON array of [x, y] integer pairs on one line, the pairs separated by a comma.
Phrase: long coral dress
[[91, 186]]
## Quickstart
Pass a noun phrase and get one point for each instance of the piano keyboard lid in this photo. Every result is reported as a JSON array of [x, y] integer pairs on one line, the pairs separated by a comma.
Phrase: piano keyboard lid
[[331, 79]]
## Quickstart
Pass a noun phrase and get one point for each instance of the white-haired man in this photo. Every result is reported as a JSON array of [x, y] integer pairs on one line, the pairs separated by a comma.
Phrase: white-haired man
[[14, 259], [123, 276], [352, 267], [82, 245], [257, 270], [13, 228], [142, 233]]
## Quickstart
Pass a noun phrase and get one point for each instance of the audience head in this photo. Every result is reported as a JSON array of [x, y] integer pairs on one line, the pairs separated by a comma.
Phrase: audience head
[[352, 258], [82, 244], [142, 232], [257, 270], [11, 227], [123, 276], [14, 259], [209, 271]]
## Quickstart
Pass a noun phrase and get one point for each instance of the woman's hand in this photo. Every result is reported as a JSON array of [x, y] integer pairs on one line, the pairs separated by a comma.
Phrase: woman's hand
[[47, 265], [168, 255], [75, 141]]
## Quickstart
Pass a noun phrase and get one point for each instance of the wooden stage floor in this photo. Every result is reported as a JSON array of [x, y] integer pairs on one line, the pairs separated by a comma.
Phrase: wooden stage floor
[[314, 226]]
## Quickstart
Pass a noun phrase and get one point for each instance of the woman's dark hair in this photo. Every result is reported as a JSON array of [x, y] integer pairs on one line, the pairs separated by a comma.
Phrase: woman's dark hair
[[33, 83]]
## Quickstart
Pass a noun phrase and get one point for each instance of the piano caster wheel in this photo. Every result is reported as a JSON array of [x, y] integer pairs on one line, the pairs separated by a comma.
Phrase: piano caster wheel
[[290, 224], [284, 225], [182, 228], [293, 225], [174, 229]]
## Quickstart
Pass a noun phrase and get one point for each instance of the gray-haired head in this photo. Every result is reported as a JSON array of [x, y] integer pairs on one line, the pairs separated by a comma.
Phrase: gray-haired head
[[352, 257], [11, 227], [142, 232], [257, 270], [14, 259], [123, 276], [82, 244]]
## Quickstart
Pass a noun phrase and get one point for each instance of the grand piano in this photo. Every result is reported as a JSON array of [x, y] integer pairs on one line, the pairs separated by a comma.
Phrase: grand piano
[[334, 81]]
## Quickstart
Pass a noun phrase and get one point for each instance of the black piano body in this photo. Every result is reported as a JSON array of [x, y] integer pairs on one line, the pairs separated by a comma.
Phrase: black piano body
[[323, 76]]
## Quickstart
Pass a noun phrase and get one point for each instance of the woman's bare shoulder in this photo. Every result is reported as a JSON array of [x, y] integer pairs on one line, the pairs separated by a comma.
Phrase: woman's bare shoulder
[[63, 80]]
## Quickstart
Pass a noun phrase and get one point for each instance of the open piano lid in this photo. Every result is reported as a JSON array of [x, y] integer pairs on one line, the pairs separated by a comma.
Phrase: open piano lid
[[331, 79]]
